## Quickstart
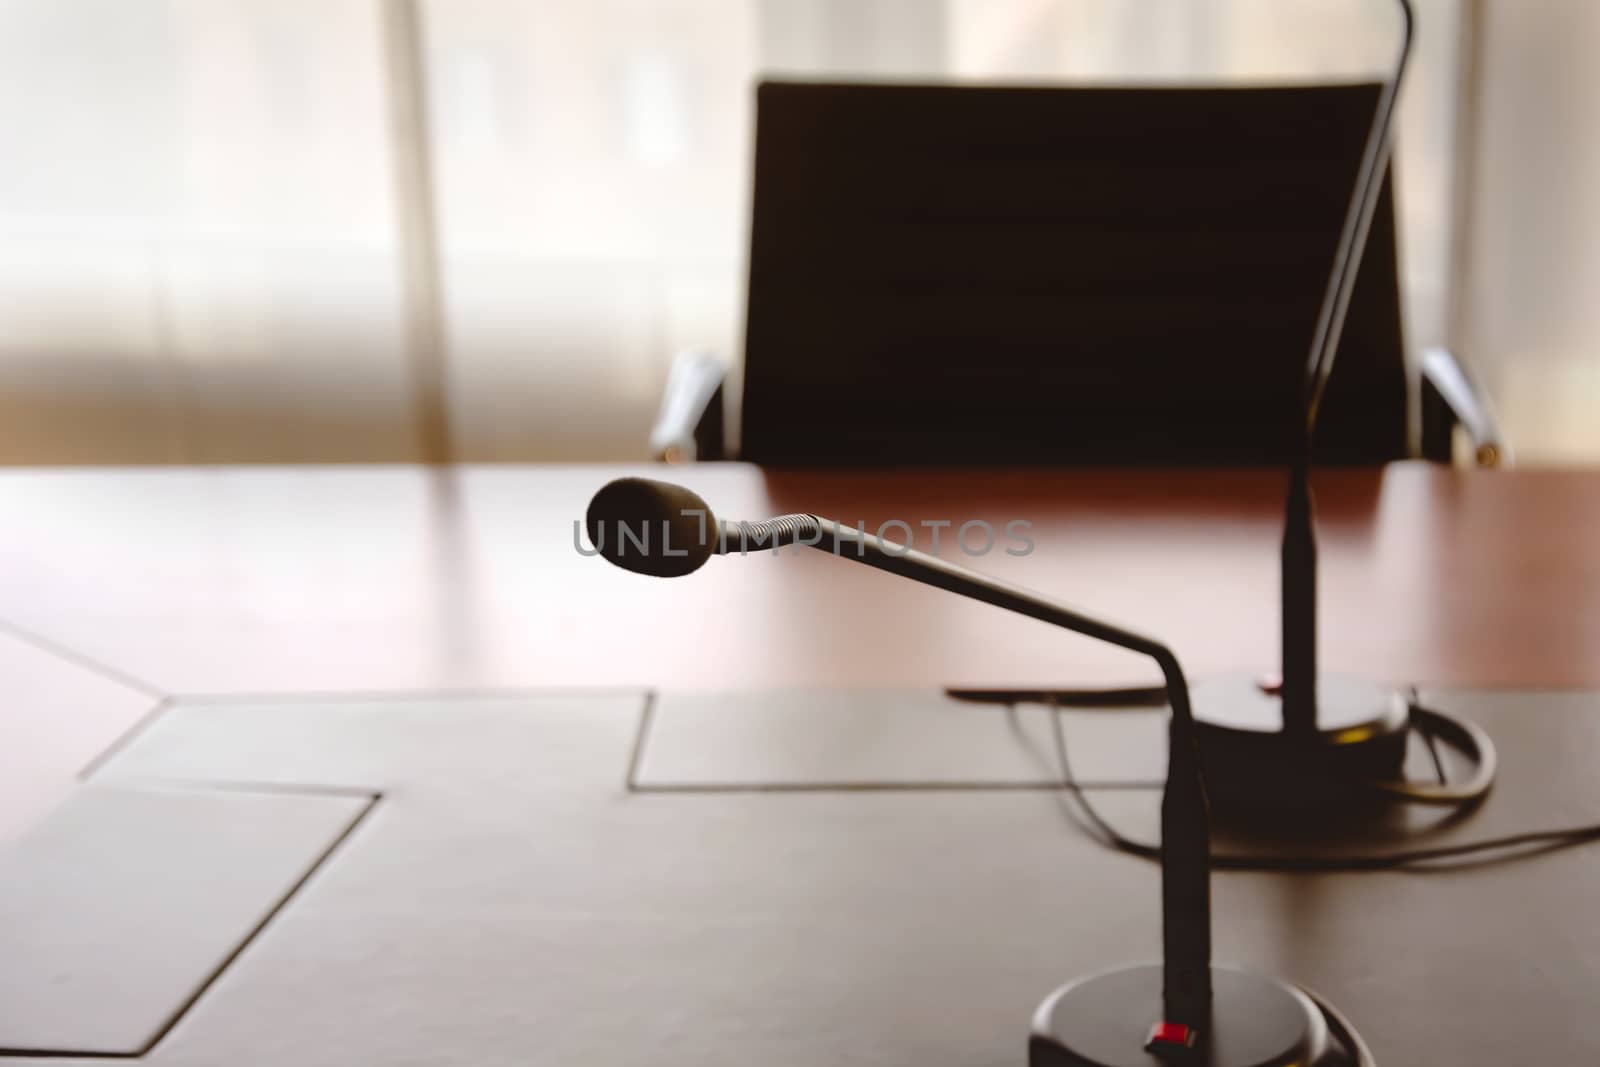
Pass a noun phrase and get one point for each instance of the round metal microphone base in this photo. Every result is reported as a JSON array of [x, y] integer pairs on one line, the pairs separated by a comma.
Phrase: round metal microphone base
[[1105, 1021], [1255, 771]]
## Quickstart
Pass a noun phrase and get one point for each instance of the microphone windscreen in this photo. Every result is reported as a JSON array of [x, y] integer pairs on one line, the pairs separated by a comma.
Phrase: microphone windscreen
[[651, 527]]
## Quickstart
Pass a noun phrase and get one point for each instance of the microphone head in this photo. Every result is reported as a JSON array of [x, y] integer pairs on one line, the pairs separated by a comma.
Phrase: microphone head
[[651, 527]]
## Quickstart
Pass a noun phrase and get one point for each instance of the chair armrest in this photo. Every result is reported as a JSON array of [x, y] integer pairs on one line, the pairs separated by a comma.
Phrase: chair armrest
[[688, 424], [1470, 405]]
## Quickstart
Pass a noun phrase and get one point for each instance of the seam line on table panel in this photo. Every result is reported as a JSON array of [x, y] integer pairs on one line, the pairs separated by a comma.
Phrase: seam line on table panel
[[183, 1009], [259, 788], [124, 739], [353, 696], [80, 659], [266, 920], [647, 716], [890, 787]]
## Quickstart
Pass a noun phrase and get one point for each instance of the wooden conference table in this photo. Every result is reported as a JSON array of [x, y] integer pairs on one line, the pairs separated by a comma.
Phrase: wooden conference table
[[137, 606]]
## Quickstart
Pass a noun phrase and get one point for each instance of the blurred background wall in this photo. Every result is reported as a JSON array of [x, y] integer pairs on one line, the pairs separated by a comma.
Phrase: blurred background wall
[[265, 230]]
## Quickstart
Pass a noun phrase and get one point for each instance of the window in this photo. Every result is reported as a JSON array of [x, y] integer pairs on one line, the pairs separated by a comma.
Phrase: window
[[201, 238]]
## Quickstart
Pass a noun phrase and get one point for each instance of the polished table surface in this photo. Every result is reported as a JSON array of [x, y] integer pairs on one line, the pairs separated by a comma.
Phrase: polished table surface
[[190, 581], [401, 578], [205, 595]]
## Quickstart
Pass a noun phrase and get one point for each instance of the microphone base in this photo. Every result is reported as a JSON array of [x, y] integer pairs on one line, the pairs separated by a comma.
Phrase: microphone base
[[1256, 772], [1104, 1021]]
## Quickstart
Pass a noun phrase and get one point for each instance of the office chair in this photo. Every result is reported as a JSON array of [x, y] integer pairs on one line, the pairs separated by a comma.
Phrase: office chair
[[1010, 276]]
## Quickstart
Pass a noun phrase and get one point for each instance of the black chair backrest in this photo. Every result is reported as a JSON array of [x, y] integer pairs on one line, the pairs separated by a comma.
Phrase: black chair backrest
[[955, 275]]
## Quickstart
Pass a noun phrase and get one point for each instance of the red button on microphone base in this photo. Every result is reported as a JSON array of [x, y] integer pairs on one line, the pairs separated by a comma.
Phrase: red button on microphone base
[[1170, 1038]]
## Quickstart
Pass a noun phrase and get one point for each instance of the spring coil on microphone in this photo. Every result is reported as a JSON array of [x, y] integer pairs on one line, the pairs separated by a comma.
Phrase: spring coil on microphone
[[765, 534]]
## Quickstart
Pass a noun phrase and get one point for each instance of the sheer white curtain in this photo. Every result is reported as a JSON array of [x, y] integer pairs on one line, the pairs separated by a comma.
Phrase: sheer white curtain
[[197, 227], [196, 237], [1527, 313], [591, 170]]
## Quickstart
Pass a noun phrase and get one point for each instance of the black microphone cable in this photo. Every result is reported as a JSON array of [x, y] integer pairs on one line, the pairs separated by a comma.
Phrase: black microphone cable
[[1429, 859], [1428, 724]]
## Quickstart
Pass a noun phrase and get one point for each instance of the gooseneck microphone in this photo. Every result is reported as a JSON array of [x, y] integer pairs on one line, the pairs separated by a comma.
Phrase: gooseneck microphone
[[1311, 747], [625, 514], [1299, 695], [635, 510], [664, 530]]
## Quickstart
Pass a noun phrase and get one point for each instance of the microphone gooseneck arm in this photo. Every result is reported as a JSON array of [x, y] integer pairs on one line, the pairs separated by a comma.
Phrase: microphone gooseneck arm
[[1353, 235], [1185, 822], [1299, 551]]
